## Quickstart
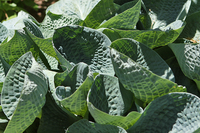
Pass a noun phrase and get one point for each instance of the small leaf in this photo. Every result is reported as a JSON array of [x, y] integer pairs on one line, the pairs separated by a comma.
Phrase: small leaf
[[121, 121], [175, 112], [109, 96], [125, 20], [76, 103], [85, 126], [145, 85]]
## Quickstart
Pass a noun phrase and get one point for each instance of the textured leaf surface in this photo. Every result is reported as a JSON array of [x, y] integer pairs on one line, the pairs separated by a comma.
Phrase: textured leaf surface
[[144, 56], [109, 96], [175, 113], [76, 103], [80, 12], [188, 56], [82, 44], [145, 85], [54, 119], [164, 12], [85, 126], [125, 20], [23, 101], [121, 121], [153, 38], [3, 33]]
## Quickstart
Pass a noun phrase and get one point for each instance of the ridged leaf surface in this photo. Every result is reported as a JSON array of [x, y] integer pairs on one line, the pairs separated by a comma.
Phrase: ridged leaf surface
[[23, 95], [144, 56], [174, 113], [145, 85], [82, 44]]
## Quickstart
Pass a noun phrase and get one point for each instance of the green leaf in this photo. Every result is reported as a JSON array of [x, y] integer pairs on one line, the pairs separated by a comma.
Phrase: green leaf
[[23, 94], [144, 56], [79, 12], [121, 121], [54, 119], [73, 78], [3, 33], [82, 44], [191, 30], [153, 38], [109, 96], [102, 11], [175, 112], [145, 85], [125, 20], [164, 12], [85, 126], [76, 103], [188, 58]]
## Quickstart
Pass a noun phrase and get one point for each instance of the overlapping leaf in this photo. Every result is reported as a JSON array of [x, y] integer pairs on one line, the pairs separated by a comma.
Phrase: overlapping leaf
[[82, 44], [80, 12], [125, 20], [85, 126], [23, 94], [109, 96], [144, 56], [54, 118], [76, 103], [121, 121], [188, 56], [192, 28], [145, 85], [164, 12], [174, 112]]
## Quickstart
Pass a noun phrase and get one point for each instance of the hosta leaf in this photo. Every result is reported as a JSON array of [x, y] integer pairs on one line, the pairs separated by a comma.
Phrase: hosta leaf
[[144, 56], [4, 67], [191, 30], [23, 95], [174, 113], [153, 38], [76, 103], [85, 126], [121, 121], [3, 33], [82, 44], [54, 119], [125, 20], [164, 12], [194, 7], [79, 12], [73, 78], [145, 85], [109, 96], [188, 56], [102, 11]]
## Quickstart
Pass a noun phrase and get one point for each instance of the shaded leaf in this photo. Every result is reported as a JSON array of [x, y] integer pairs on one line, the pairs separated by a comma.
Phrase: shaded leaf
[[82, 44], [145, 85], [85, 126], [125, 20], [121, 121], [174, 112], [144, 56], [109, 96]]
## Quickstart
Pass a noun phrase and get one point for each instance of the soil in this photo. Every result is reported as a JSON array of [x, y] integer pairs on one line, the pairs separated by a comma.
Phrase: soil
[[42, 6]]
